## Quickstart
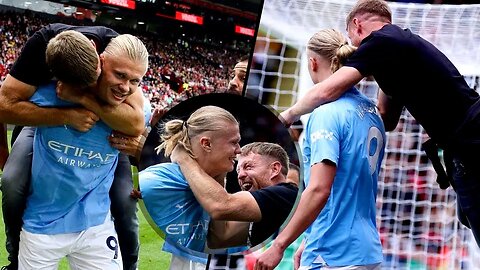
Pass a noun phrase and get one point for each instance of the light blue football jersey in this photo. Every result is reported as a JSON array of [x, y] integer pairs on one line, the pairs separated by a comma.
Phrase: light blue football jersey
[[350, 133], [147, 110], [172, 206], [72, 172]]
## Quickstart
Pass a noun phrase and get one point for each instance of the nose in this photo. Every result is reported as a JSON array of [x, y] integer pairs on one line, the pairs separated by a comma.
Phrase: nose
[[124, 87], [233, 84], [241, 175], [238, 150]]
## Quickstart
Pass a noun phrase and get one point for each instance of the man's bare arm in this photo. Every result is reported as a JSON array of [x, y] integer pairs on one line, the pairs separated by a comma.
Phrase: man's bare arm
[[220, 205], [312, 201], [326, 91], [389, 110], [127, 118], [15, 108], [224, 234]]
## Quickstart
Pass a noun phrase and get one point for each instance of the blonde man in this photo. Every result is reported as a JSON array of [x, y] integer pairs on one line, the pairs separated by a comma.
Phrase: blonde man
[[211, 135], [337, 208], [114, 99]]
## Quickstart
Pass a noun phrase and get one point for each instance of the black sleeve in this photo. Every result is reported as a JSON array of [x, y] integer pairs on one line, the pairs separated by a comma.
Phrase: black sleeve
[[101, 36], [31, 67], [276, 203], [364, 57]]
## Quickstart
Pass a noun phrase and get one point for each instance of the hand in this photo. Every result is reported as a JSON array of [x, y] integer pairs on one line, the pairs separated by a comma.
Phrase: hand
[[69, 93], [269, 259], [136, 194], [157, 114], [298, 256], [128, 145], [80, 119]]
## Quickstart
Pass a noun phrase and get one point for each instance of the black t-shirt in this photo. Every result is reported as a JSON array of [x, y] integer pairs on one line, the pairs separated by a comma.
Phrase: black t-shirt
[[275, 202], [31, 66], [419, 76]]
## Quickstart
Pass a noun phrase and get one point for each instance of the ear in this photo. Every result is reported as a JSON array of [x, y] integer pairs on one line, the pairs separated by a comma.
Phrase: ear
[[93, 43], [313, 64], [206, 144], [276, 169], [358, 25], [102, 59]]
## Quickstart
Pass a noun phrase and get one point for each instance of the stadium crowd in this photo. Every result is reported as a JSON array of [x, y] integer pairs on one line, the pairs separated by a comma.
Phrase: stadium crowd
[[178, 68]]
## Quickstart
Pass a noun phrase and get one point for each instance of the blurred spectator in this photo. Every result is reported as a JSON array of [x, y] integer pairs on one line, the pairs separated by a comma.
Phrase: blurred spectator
[[236, 85]]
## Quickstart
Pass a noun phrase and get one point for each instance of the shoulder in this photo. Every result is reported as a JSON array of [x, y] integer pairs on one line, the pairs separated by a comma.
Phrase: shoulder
[[164, 177], [103, 32], [161, 170], [280, 192], [331, 111], [101, 35]]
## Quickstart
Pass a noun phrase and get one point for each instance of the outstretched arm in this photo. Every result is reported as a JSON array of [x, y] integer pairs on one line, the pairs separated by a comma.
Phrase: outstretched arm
[[326, 91], [220, 205], [15, 108], [224, 234], [126, 118], [312, 201]]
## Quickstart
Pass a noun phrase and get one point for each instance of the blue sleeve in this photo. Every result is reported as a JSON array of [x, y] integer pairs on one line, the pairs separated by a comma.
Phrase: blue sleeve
[[324, 135], [162, 193], [147, 110]]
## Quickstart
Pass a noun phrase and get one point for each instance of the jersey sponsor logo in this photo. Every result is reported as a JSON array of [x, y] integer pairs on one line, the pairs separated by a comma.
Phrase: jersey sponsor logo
[[184, 233], [183, 228], [75, 156], [77, 163], [321, 134]]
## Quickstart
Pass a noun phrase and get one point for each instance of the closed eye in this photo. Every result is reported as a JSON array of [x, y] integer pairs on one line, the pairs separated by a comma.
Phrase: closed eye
[[121, 75]]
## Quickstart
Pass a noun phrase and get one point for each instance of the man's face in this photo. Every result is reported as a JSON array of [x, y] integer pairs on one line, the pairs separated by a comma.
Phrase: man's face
[[224, 148], [120, 77], [254, 172], [236, 84]]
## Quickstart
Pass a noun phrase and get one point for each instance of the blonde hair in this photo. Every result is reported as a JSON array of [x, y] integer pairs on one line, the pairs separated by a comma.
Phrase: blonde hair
[[378, 8], [271, 150], [207, 118], [72, 58], [130, 46], [332, 45]]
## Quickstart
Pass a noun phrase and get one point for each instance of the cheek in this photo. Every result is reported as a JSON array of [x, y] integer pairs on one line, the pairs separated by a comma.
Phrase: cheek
[[109, 79]]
